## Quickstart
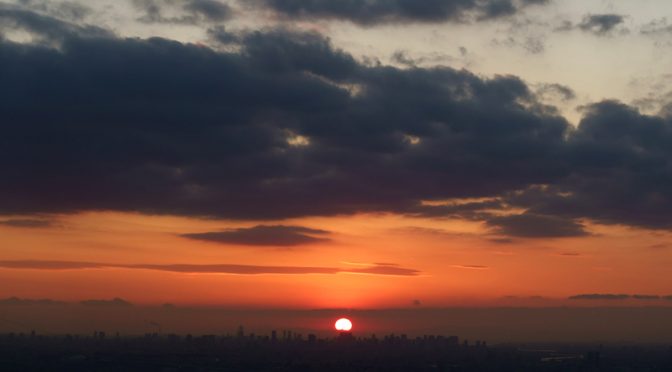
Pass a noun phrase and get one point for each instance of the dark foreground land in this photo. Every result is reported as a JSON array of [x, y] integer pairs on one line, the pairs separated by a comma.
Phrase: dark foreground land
[[32, 352]]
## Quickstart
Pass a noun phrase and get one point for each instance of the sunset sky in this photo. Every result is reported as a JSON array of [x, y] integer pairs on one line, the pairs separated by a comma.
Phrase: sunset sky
[[325, 154]]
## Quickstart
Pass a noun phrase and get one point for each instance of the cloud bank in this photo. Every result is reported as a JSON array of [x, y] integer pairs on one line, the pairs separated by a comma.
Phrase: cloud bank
[[372, 12], [286, 125]]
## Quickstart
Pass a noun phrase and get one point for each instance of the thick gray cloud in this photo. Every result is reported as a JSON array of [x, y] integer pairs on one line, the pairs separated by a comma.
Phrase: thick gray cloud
[[191, 11], [123, 125], [263, 235], [621, 173], [44, 28], [210, 9], [371, 12], [68, 10], [289, 126], [597, 24], [601, 24], [529, 225]]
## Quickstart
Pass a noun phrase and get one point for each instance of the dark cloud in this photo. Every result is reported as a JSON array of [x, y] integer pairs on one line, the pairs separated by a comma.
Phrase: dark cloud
[[210, 9], [601, 24], [372, 269], [621, 171], [67, 10], [49, 265], [212, 140], [22, 301], [115, 302], [220, 35], [530, 225], [44, 28], [263, 235], [596, 24], [371, 12], [287, 126], [657, 27], [469, 210], [611, 297], [646, 297], [27, 223], [191, 11]]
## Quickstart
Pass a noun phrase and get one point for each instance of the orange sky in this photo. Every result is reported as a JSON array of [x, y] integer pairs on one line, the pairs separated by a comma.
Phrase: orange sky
[[458, 263]]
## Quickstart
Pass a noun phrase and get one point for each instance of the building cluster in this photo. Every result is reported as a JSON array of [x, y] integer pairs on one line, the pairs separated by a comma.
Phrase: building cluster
[[288, 351]]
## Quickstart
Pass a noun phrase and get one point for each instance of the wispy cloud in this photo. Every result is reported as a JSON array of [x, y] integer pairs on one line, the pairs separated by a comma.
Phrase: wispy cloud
[[570, 254], [471, 267], [612, 296], [233, 269], [115, 302], [27, 223], [600, 296], [24, 301]]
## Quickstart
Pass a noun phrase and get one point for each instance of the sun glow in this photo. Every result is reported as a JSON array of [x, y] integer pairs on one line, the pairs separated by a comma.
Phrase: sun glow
[[343, 325]]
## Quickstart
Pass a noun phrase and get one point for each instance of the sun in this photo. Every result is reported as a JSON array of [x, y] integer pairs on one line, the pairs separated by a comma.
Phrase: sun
[[343, 325]]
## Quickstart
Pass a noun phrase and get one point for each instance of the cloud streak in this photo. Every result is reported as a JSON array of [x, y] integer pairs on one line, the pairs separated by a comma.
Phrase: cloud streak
[[27, 223], [530, 225], [114, 303], [601, 24], [600, 296], [193, 12], [263, 235], [471, 267], [619, 297], [373, 12], [234, 269]]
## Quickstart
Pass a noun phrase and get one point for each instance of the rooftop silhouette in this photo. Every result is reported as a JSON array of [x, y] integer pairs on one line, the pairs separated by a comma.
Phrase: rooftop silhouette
[[291, 351]]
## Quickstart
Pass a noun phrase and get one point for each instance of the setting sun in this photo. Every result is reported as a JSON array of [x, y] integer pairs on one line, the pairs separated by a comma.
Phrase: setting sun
[[343, 325]]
